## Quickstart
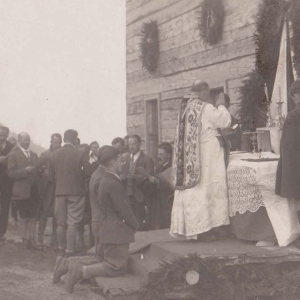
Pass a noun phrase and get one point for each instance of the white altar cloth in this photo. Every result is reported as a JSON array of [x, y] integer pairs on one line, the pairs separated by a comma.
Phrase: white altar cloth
[[251, 185]]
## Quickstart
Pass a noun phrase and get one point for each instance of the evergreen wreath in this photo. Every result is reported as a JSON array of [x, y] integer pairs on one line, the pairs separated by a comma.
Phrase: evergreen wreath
[[220, 282], [149, 45], [211, 21], [267, 43]]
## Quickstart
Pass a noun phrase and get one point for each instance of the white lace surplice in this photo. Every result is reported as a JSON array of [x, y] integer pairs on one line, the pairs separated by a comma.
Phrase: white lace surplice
[[197, 210]]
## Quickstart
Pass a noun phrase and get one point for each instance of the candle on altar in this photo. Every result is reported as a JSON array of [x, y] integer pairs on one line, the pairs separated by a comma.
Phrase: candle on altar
[[266, 93], [279, 92]]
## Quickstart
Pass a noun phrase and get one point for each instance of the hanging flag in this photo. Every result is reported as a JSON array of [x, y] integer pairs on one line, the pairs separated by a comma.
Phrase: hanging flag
[[284, 76]]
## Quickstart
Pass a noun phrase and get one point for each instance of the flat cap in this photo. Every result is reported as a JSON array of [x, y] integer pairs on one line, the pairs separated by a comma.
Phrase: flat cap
[[107, 153]]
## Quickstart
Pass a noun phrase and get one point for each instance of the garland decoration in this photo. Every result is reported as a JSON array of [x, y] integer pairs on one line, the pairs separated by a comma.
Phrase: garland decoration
[[295, 27], [211, 21], [267, 43], [149, 45], [218, 281]]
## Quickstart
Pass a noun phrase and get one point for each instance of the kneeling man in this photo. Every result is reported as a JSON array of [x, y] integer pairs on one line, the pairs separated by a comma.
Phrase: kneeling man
[[116, 229]]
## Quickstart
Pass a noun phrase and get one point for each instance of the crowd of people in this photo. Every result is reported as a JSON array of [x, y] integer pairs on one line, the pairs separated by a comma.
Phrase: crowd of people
[[63, 183], [118, 189]]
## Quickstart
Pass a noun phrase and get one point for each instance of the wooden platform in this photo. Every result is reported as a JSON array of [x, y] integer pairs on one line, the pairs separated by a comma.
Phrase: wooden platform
[[153, 247]]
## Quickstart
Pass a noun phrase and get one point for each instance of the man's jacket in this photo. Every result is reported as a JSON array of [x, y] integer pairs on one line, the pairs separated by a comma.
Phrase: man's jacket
[[118, 222], [68, 164], [22, 181], [134, 186]]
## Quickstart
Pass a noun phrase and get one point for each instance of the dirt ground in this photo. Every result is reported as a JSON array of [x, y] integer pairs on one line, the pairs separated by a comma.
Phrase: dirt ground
[[27, 275]]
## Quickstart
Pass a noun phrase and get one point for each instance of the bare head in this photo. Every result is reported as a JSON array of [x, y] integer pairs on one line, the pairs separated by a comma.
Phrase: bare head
[[134, 143], [164, 153], [71, 137], [201, 89], [56, 140], [24, 140], [94, 146], [110, 158], [118, 143]]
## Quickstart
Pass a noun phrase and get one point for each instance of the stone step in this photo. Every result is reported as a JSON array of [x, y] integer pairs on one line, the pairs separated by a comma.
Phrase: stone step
[[126, 287]]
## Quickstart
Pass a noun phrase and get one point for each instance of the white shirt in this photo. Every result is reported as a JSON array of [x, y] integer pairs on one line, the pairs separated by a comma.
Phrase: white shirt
[[92, 158], [135, 156], [26, 152]]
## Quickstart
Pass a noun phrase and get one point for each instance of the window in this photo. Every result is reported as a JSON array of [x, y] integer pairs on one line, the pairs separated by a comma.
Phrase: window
[[214, 94]]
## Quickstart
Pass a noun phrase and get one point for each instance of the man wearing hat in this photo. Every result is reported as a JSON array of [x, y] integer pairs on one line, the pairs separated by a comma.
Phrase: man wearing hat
[[116, 228]]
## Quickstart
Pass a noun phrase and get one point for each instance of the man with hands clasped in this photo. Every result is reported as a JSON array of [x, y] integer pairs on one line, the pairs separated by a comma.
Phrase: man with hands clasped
[[22, 169], [134, 180]]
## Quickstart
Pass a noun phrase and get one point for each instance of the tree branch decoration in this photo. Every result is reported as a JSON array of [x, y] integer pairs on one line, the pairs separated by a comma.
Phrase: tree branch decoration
[[267, 42], [295, 27], [211, 21], [217, 281], [149, 45]]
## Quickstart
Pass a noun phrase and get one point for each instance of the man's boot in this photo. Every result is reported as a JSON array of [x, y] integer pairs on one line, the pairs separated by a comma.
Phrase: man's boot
[[74, 275], [61, 268]]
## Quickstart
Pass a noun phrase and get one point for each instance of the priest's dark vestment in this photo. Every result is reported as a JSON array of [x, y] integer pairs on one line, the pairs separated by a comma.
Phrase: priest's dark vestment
[[288, 170]]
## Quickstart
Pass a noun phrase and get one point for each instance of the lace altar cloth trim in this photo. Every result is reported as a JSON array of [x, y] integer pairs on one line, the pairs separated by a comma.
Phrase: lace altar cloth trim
[[249, 192]]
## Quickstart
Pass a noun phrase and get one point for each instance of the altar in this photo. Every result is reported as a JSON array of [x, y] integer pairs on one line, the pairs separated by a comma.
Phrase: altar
[[253, 203]]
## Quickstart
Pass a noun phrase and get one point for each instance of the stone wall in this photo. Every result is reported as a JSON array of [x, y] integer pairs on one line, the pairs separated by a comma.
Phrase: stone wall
[[184, 58]]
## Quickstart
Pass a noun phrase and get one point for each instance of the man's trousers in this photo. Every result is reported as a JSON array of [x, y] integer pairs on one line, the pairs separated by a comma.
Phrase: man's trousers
[[112, 261], [69, 211]]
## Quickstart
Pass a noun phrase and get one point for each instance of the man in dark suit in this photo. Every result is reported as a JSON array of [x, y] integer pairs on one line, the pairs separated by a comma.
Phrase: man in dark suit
[[47, 190], [70, 190], [117, 225], [5, 181], [23, 169], [134, 180], [162, 191]]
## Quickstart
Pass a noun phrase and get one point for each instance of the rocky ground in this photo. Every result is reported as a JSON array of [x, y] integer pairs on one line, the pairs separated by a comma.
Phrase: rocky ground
[[27, 275]]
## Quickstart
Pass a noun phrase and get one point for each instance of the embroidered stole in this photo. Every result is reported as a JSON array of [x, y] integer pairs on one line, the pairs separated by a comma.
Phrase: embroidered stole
[[187, 149]]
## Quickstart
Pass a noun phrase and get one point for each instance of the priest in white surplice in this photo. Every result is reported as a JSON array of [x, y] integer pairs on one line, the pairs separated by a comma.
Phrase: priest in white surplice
[[199, 171]]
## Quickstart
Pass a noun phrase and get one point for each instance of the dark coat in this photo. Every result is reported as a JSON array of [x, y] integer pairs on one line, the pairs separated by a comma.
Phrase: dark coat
[[22, 181], [93, 191], [4, 179], [135, 186], [288, 170], [68, 165], [162, 196], [118, 222], [44, 168]]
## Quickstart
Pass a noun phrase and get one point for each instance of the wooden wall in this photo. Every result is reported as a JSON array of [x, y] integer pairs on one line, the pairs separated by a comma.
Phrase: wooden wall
[[183, 57]]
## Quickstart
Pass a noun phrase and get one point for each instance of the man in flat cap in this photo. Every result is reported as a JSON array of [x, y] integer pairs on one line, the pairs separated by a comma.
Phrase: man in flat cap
[[117, 226], [201, 197]]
